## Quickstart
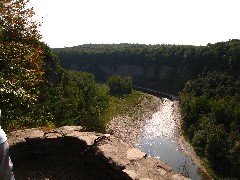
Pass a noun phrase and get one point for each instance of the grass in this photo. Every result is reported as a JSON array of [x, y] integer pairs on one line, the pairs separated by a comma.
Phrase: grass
[[133, 105]]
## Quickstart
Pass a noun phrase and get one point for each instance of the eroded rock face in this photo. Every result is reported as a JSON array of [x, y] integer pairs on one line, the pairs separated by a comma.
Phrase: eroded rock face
[[70, 153]]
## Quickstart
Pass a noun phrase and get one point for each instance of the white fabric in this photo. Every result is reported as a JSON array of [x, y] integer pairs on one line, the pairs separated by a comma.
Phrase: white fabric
[[5, 163], [3, 136]]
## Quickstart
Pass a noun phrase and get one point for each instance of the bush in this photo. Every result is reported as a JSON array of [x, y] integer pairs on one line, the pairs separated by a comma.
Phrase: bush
[[120, 85], [200, 138]]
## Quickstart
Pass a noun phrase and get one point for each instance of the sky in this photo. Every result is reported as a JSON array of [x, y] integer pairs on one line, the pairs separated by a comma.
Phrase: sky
[[69, 23]]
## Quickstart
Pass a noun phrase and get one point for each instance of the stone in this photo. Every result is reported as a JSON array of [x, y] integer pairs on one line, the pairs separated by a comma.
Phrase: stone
[[22, 135], [134, 154], [87, 137], [132, 174], [38, 155]]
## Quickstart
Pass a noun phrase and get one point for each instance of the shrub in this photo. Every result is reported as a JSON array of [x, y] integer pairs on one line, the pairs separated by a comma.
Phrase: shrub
[[120, 85]]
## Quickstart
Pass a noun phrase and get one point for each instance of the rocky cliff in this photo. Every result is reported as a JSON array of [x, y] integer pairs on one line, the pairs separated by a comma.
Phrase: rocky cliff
[[145, 76], [70, 153]]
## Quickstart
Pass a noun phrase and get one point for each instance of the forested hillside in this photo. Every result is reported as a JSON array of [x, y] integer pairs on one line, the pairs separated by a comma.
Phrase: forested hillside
[[207, 77], [161, 67], [210, 108]]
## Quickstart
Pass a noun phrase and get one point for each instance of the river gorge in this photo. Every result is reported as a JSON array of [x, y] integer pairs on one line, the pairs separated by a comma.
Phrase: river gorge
[[158, 134], [160, 139], [160, 150]]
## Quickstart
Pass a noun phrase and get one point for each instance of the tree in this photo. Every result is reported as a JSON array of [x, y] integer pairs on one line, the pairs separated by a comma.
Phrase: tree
[[120, 85], [21, 57], [211, 113]]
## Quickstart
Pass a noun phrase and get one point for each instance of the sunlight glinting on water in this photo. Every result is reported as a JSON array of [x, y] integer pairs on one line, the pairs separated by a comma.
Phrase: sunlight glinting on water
[[162, 124], [160, 140]]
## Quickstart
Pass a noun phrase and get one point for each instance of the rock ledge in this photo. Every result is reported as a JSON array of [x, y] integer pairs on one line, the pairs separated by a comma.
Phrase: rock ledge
[[40, 155]]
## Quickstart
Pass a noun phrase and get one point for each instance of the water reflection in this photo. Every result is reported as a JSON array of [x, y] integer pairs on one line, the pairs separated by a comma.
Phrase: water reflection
[[159, 140]]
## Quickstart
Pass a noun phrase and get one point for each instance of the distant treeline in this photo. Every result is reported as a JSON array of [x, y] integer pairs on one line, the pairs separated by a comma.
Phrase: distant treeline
[[207, 77], [164, 67]]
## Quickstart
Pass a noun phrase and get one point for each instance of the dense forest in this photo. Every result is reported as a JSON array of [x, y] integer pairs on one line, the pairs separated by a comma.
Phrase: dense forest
[[210, 108], [206, 78], [161, 67]]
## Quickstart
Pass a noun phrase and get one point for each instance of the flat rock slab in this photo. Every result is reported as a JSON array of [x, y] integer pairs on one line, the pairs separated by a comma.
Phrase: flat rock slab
[[19, 136], [122, 158], [134, 154]]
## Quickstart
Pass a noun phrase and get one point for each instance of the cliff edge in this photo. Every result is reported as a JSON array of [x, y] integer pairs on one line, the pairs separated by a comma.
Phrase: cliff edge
[[70, 153]]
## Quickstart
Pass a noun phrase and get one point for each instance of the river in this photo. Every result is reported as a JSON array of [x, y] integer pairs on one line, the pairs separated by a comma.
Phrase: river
[[160, 140]]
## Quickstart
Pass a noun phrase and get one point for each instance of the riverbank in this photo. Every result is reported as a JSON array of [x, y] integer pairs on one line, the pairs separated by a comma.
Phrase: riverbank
[[129, 127], [129, 131], [184, 144]]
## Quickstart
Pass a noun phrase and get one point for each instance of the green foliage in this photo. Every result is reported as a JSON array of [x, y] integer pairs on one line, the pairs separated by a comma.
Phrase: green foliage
[[76, 100], [200, 138], [210, 108], [120, 85], [132, 105], [34, 90], [162, 67], [21, 60]]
